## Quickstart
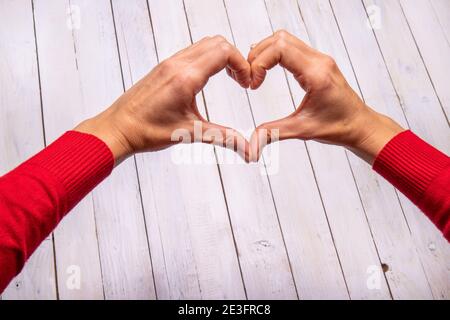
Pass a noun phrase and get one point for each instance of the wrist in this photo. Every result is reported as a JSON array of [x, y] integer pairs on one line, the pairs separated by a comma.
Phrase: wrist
[[103, 127], [373, 132]]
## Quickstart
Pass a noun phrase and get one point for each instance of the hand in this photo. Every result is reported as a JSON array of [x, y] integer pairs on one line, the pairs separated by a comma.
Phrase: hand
[[149, 113], [331, 112]]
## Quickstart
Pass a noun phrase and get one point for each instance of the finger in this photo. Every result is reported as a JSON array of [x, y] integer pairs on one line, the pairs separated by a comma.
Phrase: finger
[[257, 48], [226, 137], [291, 53], [225, 55], [279, 36], [192, 49], [206, 44], [289, 57], [230, 73], [211, 47], [271, 132], [207, 132]]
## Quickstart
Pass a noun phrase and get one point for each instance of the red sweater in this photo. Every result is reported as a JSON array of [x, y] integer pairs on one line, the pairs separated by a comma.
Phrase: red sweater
[[35, 196]]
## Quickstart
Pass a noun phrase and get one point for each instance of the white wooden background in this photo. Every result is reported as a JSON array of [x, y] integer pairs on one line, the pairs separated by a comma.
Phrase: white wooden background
[[323, 226]]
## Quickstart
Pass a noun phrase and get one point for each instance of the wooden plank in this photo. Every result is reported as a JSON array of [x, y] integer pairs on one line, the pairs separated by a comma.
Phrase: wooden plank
[[38, 279], [409, 76], [271, 101], [22, 132], [375, 83], [433, 45], [204, 275], [442, 11], [191, 241], [312, 255], [331, 163], [72, 251], [81, 76], [426, 117], [406, 280]]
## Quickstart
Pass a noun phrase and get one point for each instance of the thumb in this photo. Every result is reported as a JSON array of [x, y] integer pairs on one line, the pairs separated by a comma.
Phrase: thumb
[[271, 132], [225, 137]]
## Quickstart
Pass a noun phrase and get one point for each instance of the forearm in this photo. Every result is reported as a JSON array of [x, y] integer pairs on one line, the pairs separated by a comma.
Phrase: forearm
[[421, 172], [414, 167], [372, 131], [35, 196], [106, 127]]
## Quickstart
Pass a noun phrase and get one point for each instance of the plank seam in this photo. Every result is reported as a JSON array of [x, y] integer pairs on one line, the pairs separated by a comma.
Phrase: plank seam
[[309, 155], [348, 161], [134, 157], [433, 6], [409, 126], [423, 60], [55, 268]]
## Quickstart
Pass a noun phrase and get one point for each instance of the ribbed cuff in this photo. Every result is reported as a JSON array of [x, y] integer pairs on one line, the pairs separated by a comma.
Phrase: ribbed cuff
[[410, 164], [78, 161]]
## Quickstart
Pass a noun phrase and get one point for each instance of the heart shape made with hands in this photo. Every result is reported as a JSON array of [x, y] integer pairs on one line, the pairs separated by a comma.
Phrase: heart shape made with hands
[[262, 57], [208, 132], [160, 110]]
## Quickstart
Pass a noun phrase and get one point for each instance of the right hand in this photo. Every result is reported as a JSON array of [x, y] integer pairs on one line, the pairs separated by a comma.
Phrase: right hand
[[331, 112]]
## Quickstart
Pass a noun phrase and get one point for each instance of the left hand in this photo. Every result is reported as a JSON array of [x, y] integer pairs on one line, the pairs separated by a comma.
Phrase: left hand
[[149, 113]]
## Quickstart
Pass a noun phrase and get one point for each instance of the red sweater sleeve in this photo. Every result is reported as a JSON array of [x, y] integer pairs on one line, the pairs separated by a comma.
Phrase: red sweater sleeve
[[422, 173], [35, 196]]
